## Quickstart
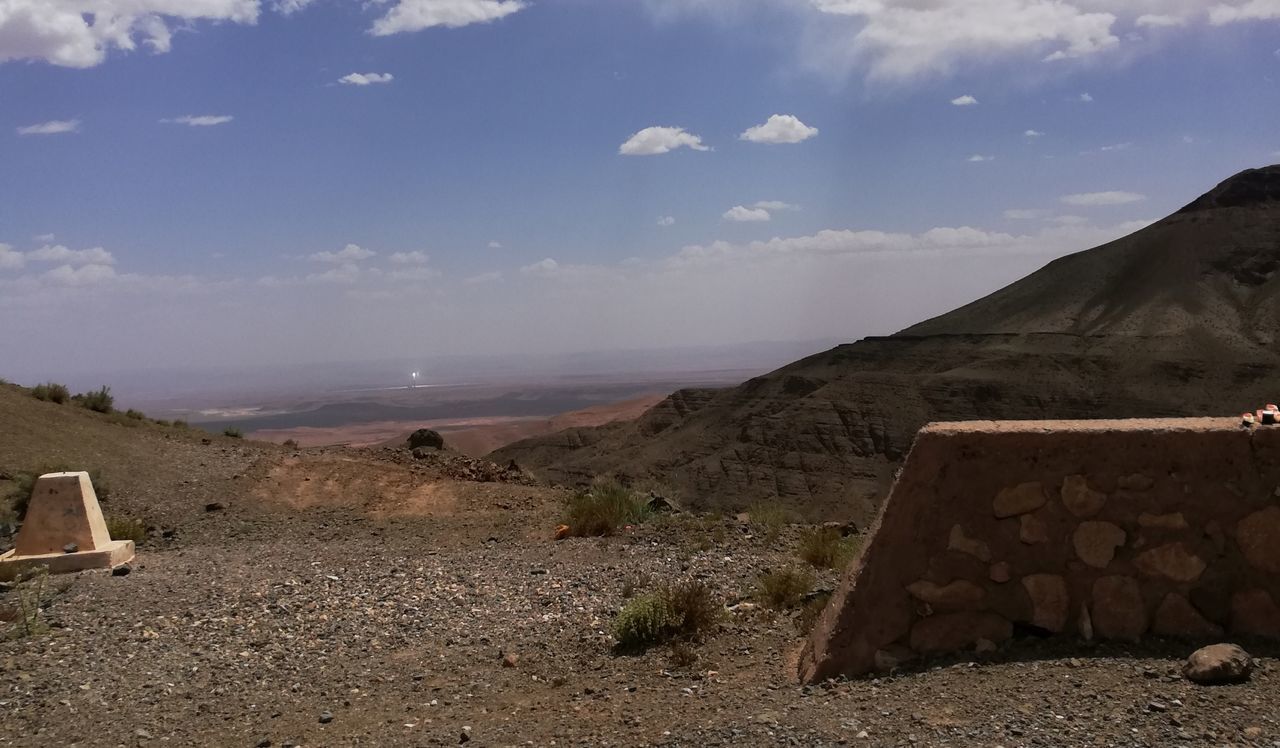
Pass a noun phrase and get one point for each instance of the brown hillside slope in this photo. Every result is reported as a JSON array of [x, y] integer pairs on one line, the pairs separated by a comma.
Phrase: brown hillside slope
[[1177, 319]]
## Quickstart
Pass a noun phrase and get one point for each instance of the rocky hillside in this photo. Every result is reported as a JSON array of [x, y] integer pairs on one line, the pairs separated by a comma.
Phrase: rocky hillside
[[1178, 319]]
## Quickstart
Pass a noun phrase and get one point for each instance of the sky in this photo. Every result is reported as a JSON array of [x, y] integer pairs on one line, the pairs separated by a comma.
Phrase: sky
[[271, 182]]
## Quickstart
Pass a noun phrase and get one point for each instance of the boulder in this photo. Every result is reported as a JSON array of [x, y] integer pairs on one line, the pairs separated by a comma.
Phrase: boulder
[[426, 439], [1173, 561], [1218, 663]]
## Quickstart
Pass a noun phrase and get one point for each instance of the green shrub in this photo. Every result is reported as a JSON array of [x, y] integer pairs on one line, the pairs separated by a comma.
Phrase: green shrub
[[771, 516], [126, 528], [51, 392], [18, 497], [233, 432], [29, 601], [99, 401], [783, 589], [290, 444], [136, 415], [603, 509], [683, 611], [826, 548]]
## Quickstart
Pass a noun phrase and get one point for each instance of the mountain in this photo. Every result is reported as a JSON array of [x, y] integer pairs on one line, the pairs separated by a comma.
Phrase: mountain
[[1178, 319]]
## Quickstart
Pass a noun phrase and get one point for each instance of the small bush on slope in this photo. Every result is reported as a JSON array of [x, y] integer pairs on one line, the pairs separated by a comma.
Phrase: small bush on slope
[[603, 509], [826, 548], [683, 611], [99, 401], [784, 588], [51, 392]]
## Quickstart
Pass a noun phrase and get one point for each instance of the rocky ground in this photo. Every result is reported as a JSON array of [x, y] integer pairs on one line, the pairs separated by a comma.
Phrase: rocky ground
[[344, 597]]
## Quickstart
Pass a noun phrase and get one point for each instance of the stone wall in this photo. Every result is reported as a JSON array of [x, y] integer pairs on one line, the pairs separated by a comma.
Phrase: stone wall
[[1106, 529]]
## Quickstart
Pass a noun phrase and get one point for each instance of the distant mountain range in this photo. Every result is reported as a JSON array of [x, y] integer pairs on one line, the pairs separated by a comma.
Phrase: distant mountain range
[[1180, 318]]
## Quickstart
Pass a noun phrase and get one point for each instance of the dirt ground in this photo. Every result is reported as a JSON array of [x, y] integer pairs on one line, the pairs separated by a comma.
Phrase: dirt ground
[[362, 598]]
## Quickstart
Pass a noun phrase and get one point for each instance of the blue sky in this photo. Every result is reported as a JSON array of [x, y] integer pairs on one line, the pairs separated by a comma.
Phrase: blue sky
[[240, 182]]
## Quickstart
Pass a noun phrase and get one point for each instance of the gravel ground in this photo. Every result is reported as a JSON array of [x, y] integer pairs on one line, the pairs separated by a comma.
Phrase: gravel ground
[[341, 598]]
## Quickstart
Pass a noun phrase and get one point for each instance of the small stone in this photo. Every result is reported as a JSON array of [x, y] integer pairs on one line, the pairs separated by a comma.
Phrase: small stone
[[214, 506], [326, 717], [972, 546], [1084, 624], [1157, 706], [984, 646], [1096, 543], [1000, 572], [464, 737], [1032, 530], [1253, 732], [142, 733], [892, 657], [1172, 561], [121, 571], [537, 572], [1079, 499], [1218, 663], [70, 548], [510, 659], [1019, 499], [264, 743]]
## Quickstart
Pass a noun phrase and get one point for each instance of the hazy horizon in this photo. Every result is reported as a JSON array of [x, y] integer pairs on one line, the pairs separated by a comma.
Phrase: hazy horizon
[[249, 184]]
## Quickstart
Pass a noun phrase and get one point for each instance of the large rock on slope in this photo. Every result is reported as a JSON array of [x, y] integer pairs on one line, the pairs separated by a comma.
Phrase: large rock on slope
[[1178, 319]]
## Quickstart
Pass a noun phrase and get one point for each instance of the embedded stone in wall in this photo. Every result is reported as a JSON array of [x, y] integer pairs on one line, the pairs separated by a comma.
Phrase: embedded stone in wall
[[1172, 521], [958, 595], [1258, 536], [1135, 482], [1171, 560], [1254, 612], [1084, 623], [1032, 530], [949, 632], [999, 572], [1050, 600], [1096, 542], [1177, 617], [1079, 499], [1213, 531], [1118, 610], [1019, 499], [960, 542], [892, 657]]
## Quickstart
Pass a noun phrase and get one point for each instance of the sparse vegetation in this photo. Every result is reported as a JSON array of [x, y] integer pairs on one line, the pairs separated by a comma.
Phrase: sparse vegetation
[[771, 516], [14, 503], [99, 401], [136, 415], [179, 423], [51, 392], [29, 600], [233, 432], [126, 528], [826, 548], [683, 656], [679, 612], [290, 444], [783, 589], [603, 509]]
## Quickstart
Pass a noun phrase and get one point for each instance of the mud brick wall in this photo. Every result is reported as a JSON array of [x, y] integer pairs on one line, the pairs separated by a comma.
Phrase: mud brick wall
[[1093, 529]]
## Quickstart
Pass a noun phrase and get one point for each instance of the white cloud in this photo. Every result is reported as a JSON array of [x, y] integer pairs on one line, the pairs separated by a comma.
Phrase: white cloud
[[351, 253], [490, 277], [965, 100], [52, 127], [1086, 97], [80, 33], [84, 275], [1024, 214], [743, 214], [46, 238], [1116, 147], [495, 245], [1156, 20], [1033, 134], [1070, 220], [11, 259], [1253, 10], [774, 205], [366, 79], [542, 267], [289, 7], [779, 129], [666, 220], [59, 253], [1113, 197], [416, 257], [654, 141], [199, 120], [978, 158], [415, 15], [418, 273], [347, 272]]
